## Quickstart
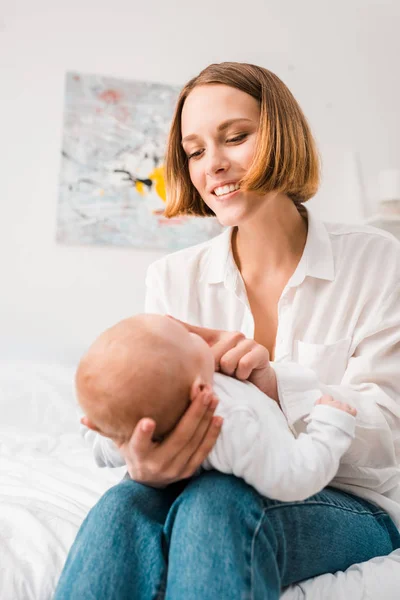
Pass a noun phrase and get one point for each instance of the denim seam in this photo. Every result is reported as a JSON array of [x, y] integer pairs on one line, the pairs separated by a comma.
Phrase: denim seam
[[160, 594], [253, 544], [378, 513]]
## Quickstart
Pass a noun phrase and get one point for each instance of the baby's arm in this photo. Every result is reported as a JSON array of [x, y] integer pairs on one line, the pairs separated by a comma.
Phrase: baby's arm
[[256, 444]]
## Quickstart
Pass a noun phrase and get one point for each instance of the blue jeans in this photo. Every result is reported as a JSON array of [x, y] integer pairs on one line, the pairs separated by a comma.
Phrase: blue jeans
[[214, 536]]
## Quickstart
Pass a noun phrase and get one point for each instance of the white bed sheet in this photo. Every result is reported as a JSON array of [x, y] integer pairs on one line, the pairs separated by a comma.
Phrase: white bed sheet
[[48, 483]]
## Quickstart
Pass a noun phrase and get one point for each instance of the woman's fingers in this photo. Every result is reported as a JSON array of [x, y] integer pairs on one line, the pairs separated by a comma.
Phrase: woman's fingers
[[219, 340], [141, 443], [200, 409], [229, 361], [176, 467], [201, 430], [244, 358], [256, 359], [205, 447], [208, 335], [162, 463], [227, 342]]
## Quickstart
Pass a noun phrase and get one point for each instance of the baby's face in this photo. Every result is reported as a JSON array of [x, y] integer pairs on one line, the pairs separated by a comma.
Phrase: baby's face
[[192, 345]]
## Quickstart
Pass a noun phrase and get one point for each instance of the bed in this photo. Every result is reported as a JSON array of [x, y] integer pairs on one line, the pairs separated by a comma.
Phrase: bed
[[48, 483]]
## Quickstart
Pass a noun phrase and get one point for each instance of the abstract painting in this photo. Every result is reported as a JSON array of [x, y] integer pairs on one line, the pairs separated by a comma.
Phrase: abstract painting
[[111, 189]]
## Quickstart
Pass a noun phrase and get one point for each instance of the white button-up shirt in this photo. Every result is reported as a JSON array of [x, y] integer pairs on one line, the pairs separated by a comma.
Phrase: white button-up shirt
[[338, 333]]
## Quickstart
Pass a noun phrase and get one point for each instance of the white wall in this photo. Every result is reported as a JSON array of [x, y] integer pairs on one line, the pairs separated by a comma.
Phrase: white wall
[[341, 60]]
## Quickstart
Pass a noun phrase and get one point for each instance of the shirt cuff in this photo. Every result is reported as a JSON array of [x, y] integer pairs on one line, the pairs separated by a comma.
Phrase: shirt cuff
[[298, 389], [333, 416]]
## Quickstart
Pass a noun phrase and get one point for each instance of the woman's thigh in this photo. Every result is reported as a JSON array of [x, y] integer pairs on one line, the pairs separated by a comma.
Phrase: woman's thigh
[[221, 529], [118, 552], [326, 533]]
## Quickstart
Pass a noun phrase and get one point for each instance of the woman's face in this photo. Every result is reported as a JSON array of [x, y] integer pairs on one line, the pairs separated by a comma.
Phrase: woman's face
[[219, 133]]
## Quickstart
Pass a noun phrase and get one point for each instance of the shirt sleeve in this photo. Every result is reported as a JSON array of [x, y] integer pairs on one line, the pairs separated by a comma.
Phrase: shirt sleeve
[[264, 453], [371, 384]]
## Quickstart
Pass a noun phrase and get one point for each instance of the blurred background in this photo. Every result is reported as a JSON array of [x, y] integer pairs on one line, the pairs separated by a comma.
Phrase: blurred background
[[340, 59]]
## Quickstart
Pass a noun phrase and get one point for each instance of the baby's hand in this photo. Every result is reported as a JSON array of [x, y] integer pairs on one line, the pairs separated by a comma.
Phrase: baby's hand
[[329, 401]]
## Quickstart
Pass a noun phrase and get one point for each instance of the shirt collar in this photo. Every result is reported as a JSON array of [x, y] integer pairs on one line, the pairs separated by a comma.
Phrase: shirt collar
[[316, 261], [220, 261]]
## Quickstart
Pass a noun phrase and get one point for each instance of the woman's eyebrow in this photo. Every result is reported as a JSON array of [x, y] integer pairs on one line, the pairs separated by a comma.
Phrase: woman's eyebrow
[[225, 125]]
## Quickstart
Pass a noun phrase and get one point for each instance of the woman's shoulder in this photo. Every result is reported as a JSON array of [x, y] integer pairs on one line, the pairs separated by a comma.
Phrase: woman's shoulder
[[363, 239], [368, 253], [361, 234]]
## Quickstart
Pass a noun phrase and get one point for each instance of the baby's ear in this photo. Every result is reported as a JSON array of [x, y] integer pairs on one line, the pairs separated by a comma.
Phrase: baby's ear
[[87, 423], [198, 387]]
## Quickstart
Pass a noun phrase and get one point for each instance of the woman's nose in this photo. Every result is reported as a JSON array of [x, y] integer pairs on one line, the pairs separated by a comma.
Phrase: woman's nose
[[216, 162]]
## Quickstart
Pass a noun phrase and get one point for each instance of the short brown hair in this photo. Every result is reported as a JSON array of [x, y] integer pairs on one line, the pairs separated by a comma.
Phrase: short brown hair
[[286, 158]]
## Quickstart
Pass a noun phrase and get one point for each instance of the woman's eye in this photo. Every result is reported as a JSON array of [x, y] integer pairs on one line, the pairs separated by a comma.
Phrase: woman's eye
[[237, 138], [234, 140], [195, 154]]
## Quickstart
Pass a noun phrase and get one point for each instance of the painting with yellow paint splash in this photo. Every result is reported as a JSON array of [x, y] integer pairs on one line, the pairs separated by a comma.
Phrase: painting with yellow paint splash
[[112, 188]]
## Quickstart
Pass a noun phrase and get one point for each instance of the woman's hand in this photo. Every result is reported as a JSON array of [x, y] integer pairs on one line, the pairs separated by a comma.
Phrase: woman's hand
[[240, 357], [181, 453]]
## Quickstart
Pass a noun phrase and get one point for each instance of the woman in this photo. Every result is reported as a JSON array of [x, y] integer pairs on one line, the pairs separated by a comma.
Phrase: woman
[[317, 297]]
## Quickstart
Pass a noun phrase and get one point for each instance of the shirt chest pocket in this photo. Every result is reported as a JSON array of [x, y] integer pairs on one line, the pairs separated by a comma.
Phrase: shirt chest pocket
[[328, 361]]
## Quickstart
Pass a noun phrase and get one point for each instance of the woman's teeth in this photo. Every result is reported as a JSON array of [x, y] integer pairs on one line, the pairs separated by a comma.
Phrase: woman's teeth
[[226, 189]]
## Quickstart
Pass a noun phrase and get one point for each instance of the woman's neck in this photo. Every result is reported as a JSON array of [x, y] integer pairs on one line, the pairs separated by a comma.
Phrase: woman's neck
[[274, 238]]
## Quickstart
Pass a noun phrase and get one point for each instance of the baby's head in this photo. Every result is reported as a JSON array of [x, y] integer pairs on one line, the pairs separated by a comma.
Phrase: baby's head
[[143, 366]]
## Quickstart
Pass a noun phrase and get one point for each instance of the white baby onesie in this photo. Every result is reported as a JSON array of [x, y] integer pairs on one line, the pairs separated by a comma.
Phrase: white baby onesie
[[257, 445]]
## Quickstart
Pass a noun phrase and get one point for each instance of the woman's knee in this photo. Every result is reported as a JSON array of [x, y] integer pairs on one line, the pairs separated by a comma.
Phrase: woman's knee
[[218, 519], [214, 496], [124, 498]]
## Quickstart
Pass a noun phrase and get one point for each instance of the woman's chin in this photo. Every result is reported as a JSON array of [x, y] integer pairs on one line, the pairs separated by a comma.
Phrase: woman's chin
[[229, 218]]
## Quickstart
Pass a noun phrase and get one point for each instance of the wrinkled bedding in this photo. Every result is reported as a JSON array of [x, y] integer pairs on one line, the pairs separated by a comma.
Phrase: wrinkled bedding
[[48, 483]]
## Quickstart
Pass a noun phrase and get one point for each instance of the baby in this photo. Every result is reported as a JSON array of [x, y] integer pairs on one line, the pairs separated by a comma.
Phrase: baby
[[148, 366]]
